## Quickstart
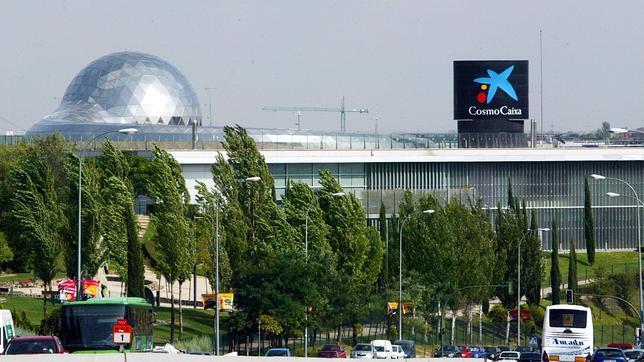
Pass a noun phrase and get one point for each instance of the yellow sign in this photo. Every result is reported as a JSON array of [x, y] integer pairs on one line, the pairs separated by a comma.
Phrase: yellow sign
[[407, 308], [226, 301]]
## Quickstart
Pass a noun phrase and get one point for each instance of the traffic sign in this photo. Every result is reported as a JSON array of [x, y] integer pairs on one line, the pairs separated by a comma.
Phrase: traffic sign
[[122, 332], [533, 341]]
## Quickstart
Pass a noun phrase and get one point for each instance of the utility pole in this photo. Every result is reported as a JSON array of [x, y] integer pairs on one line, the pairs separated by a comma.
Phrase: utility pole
[[209, 90]]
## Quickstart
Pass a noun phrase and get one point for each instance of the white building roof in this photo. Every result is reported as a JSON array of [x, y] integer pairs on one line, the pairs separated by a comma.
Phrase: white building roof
[[429, 155]]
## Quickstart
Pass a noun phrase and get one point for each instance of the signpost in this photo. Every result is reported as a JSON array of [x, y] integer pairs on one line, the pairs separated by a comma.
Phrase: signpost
[[122, 333]]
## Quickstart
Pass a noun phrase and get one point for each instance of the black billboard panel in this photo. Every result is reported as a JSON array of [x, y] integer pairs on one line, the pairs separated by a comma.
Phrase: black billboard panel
[[491, 89]]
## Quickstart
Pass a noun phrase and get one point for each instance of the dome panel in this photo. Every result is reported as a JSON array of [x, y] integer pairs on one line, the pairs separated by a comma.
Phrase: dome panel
[[128, 87]]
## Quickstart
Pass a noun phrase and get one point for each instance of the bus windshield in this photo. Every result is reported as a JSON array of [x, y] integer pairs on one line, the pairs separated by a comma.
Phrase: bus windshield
[[568, 318], [90, 326]]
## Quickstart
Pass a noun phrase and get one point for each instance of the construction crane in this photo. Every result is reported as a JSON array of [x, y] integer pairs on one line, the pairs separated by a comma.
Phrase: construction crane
[[342, 110]]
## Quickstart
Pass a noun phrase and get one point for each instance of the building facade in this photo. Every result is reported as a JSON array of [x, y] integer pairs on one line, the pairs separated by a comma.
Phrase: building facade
[[551, 181]]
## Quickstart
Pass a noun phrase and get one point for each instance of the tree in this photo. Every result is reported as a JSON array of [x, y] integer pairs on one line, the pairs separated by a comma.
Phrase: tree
[[555, 274], [357, 248], [572, 268], [589, 226], [37, 210], [167, 186], [532, 263], [384, 237], [6, 254]]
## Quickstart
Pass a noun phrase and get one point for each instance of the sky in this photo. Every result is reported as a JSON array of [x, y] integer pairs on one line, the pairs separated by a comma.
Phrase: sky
[[392, 57]]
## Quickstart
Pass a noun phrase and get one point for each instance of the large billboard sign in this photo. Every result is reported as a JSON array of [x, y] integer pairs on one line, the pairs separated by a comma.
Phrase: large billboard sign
[[491, 89]]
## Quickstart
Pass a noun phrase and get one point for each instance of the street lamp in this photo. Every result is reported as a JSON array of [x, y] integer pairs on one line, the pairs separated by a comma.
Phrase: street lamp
[[306, 260], [639, 235], [402, 225], [127, 131], [519, 282]]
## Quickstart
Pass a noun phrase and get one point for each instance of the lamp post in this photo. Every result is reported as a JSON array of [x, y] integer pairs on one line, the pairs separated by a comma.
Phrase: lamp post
[[217, 277], [306, 261], [639, 236], [400, 232], [519, 282], [127, 131]]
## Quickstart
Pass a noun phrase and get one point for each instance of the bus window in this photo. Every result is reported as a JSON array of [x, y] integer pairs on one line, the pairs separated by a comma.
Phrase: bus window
[[568, 318]]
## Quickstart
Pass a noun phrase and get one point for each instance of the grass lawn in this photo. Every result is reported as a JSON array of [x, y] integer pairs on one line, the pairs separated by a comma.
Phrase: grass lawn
[[33, 307], [610, 262], [15, 277], [196, 322]]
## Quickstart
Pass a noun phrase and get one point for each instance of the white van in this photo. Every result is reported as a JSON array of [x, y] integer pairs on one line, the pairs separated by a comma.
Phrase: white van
[[383, 348], [7, 331]]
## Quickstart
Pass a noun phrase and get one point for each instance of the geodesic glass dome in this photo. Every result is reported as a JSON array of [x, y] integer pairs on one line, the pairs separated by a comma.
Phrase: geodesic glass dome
[[129, 87]]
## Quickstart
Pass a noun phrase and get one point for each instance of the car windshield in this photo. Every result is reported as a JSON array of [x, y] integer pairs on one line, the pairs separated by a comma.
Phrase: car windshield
[[379, 348], [450, 348], [509, 355], [362, 347], [31, 346], [331, 347], [277, 352], [609, 353], [632, 354]]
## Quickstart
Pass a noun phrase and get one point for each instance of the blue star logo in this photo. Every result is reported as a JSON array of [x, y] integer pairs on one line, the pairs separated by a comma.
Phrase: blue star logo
[[496, 81]]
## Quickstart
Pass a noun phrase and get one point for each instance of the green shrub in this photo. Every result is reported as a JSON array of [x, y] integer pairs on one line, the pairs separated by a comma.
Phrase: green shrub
[[50, 325], [498, 314], [200, 344], [537, 313]]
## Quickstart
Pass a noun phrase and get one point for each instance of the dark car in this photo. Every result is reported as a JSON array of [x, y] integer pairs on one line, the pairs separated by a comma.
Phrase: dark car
[[522, 349], [609, 354], [34, 345], [408, 346], [530, 357], [634, 354], [278, 352], [332, 350], [448, 351], [478, 352]]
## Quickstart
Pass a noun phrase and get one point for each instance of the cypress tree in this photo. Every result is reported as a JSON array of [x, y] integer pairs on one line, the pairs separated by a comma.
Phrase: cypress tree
[[384, 238], [572, 268], [555, 275], [532, 262], [589, 226]]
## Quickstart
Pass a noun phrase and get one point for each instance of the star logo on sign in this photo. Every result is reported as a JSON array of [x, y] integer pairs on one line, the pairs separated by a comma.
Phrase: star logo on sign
[[495, 81]]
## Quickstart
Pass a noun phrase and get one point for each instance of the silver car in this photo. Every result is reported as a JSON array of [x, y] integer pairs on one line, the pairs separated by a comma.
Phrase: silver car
[[363, 350]]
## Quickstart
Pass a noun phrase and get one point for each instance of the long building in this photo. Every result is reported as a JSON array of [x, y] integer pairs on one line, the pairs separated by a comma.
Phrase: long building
[[551, 181]]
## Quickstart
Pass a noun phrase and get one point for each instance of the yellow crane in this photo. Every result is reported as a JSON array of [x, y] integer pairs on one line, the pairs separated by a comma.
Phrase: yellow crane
[[342, 110]]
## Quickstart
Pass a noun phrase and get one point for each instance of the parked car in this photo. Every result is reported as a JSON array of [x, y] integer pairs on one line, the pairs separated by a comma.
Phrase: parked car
[[332, 350], [494, 352], [448, 351], [608, 354], [278, 352], [466, 352], [408, 346], [634, 354], [622, 346], [530, 357], [509, 356], [397, 352], [383, 348], [363, 350], [478, 352], [34, 345]]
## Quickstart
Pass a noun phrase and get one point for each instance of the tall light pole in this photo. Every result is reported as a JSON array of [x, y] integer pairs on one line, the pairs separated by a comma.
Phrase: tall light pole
[[209, 90], [127, 131], [217, 276], [519, 282], [639, 237], [400, 232], [306, 261]]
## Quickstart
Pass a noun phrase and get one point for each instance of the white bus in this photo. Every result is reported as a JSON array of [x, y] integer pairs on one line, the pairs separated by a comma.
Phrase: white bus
[[567, 333]]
